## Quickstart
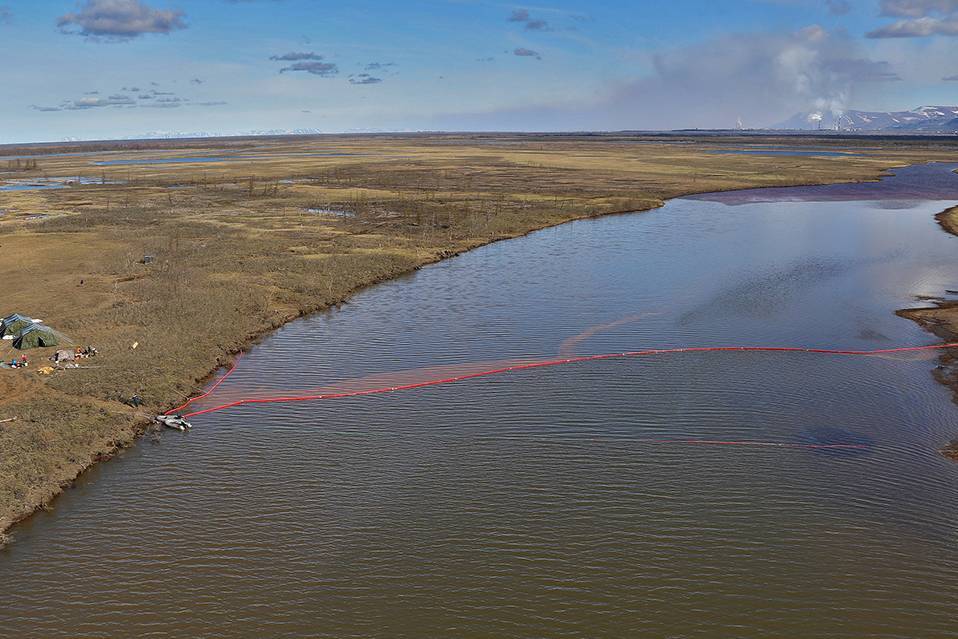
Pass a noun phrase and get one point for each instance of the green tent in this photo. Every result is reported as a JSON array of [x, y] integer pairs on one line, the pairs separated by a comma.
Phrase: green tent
[[36, 336], [13, 324]]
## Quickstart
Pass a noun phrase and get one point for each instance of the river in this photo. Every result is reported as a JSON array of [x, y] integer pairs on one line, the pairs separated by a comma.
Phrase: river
[[559, 502]]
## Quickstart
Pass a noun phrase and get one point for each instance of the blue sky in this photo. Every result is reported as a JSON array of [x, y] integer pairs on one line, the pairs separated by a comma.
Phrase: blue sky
[[119, 68]]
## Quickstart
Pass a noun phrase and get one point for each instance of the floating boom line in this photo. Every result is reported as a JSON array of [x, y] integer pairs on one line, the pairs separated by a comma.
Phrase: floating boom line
[[536, 365]]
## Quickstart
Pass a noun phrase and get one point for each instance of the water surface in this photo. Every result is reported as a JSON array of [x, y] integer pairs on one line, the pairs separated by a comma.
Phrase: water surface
[[43, 184], [536, 504], [31, 185], [178, 160], [315, 210]]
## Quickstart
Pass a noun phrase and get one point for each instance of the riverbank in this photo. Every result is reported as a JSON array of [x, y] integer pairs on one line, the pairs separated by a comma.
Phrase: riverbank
[[948, 219], [942, 320], [239, 249]]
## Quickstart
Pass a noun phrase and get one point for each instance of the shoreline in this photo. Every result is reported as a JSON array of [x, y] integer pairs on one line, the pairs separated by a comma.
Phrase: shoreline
[[948, 220], [138, 423], [142, 423], [942, 321]]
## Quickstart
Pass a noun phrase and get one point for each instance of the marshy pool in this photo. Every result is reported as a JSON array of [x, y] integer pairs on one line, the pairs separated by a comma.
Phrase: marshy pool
[[31, 185], [533, 504], [329, 212], [47, 183]]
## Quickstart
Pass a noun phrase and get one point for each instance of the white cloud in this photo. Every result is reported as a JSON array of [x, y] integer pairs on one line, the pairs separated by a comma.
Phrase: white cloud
[[761, 78], [919, 19], [119, 20]]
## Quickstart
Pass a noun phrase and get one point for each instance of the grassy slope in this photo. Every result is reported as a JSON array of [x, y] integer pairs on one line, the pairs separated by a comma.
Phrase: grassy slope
[[948, 219], [238, 255]]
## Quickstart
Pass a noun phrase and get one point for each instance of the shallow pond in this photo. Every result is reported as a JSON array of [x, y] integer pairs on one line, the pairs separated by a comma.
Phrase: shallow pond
[[31, 185], [183, 160], [612, 498], [43, 184], [328, 212]]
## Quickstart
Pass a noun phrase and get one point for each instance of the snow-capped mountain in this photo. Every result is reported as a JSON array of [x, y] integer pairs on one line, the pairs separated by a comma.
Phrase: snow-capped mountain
[[172, 135], [272, 132], [926, 119], [176, 135]]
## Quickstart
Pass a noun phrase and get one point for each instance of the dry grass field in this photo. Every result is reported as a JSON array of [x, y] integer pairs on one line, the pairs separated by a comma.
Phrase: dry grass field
[[249, 233], [949, 220]]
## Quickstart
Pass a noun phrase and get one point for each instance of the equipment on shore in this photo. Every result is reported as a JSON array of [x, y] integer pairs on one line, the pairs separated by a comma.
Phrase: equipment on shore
[[36, 336], [63, 355], [13, 324], [173, 421], [27, 332]]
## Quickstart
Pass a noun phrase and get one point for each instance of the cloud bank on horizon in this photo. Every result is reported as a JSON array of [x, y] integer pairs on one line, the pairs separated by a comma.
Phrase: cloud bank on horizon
[[116, 68]]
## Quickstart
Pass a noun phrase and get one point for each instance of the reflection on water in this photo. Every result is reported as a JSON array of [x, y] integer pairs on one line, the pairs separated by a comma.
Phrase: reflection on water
[[330, 212], [41, 184], [918, 183], [183, 160], [31, 185], [538, 504], [836, 441]]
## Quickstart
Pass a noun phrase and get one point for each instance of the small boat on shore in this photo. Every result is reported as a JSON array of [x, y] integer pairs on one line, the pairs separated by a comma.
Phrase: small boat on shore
[[173, 421]]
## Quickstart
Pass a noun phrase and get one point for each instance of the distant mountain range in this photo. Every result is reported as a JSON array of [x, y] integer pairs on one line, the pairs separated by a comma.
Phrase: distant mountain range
[[931, 120], [926, 119], [176, 135]]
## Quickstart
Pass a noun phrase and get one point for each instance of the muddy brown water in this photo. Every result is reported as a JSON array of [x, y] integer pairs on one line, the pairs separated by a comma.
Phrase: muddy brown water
[[536, 504]]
